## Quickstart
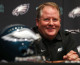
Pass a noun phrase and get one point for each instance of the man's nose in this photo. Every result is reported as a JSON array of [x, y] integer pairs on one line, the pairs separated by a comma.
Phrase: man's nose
[[51, 22]]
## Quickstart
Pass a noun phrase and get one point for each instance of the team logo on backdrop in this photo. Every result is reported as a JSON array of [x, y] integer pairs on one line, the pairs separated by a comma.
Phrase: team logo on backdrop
[[75, 12], [61, 10], [1, 8], [21, 9], [73, 31], [78, 48]]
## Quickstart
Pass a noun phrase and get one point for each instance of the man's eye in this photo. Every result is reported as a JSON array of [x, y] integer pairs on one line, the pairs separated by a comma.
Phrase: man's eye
[[55, 19], [46, 19]]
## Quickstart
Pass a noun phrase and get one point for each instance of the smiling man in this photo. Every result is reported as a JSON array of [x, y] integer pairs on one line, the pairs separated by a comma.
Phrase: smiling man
[[49, 22], [58, 44]]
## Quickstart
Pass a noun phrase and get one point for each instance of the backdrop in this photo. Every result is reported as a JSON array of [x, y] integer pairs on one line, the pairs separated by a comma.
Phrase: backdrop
[[10, 13]]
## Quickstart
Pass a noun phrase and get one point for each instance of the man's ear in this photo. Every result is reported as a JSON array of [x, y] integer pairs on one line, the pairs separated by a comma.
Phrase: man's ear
[[60, 20], [37, 22]]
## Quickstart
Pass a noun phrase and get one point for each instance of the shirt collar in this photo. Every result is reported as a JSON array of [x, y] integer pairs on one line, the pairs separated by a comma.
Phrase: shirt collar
[[58, 36]]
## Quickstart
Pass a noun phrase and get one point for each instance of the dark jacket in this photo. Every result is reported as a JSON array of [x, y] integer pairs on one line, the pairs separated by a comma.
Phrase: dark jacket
[[58, 47]]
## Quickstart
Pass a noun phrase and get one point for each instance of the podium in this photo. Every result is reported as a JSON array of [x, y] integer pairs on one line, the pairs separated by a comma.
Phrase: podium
[[33, 63]]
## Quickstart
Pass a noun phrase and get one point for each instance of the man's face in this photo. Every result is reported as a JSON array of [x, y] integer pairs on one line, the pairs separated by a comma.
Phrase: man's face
[[49, 22]]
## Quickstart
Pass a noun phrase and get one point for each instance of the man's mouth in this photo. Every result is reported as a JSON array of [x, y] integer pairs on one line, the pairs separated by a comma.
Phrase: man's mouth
[[50, 29]]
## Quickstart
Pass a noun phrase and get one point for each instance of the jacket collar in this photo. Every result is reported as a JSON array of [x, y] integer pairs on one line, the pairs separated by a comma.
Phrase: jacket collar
[[58, 36]]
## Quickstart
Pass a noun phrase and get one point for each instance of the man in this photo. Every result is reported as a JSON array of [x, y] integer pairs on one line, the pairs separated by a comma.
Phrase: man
[[58, 44]]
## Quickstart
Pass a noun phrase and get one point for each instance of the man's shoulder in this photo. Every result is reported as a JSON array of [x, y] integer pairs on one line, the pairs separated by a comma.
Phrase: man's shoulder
[[65, 33], [66, 36], [35, 29]]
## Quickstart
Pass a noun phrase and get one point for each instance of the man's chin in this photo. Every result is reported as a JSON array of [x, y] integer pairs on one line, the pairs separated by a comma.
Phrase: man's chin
[[51, 34]]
